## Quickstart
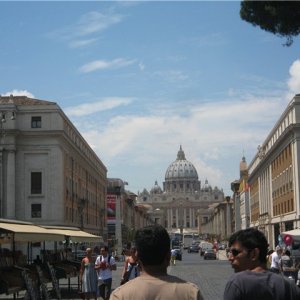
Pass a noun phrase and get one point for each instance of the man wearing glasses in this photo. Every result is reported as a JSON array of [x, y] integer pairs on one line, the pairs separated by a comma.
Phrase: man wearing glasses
[[247, 254]]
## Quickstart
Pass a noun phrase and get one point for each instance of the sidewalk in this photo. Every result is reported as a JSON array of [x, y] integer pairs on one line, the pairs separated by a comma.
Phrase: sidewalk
[[70, 291]]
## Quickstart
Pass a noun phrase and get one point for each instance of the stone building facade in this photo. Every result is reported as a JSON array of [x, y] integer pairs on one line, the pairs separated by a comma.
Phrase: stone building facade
[[183, 203], [274, 177], [48, 172]]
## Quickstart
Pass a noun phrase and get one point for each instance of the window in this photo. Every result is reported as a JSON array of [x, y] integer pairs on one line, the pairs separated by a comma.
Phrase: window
[[36, 182], [36, 210], [36, 122]]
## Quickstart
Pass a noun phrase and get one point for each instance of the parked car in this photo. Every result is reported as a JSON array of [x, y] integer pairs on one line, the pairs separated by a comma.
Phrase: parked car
[[193, 249], [209, 254], [205, 246], [178, 253]]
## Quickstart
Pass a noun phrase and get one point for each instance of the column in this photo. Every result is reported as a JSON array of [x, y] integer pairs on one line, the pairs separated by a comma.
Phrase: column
[[10, 185], [184, 218], [177, 223], [228, 231], [1, 185], [169, 218], [192, 218]]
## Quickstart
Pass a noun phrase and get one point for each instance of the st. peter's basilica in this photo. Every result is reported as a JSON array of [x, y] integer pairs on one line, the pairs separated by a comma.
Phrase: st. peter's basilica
[[183, 203]]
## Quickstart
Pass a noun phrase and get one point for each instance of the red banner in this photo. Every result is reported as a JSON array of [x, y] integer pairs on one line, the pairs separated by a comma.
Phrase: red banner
[[111, 209]]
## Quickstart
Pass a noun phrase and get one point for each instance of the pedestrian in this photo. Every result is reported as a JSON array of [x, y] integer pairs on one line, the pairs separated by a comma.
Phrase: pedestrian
[[131, 268], [269, 258], [275, 258], [88, 276], [153, 252], [105, 264], [286, 265], [247, 255], [173, 257]]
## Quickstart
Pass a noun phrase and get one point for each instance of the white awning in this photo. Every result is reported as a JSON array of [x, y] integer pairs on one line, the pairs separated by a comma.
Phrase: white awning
[[75, 234], [29, 232]]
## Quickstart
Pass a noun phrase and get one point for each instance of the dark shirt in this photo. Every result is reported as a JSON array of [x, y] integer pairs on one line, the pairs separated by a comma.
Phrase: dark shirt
[[247, 285]]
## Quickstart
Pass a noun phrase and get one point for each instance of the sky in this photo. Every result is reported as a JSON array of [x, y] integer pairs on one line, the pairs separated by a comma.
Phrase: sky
[[139, 79]]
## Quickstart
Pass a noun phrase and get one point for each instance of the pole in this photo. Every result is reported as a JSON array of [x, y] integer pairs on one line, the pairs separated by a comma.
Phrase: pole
[[118, 232]]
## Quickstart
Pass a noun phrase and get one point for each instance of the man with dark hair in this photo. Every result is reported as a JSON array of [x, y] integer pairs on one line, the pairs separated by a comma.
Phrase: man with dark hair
[[247, 254], [153, 251], [105, 264]]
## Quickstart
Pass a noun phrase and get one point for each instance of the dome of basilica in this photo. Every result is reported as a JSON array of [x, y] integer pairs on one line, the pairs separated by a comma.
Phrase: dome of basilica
[[156, 189], [181, 168]]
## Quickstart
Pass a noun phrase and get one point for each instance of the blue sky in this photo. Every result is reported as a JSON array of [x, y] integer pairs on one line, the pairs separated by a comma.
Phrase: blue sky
[[139, 79]]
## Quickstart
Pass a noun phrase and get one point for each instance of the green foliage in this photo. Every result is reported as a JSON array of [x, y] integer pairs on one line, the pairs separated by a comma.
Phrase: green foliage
[[282, 18]]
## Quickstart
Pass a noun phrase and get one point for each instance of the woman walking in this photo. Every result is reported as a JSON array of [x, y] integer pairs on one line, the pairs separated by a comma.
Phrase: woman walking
[[131, 268], [88, 276]]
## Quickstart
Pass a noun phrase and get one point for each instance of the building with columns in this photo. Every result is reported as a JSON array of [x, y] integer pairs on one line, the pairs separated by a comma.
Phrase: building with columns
[[48, 172], [274, 177], [183, 203], [220, 224]]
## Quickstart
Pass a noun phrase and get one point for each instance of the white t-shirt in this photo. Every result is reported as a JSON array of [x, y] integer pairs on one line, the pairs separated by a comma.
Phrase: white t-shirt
[[105, 273], [275, 260]]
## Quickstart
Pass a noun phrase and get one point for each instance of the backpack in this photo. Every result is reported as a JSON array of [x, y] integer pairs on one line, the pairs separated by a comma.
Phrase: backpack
[[109, 257]]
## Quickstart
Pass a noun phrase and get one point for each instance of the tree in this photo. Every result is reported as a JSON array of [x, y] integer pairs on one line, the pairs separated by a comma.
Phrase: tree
[[282, 18]]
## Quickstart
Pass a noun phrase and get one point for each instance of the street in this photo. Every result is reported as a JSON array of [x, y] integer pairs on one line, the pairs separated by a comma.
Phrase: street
[[209, 275]]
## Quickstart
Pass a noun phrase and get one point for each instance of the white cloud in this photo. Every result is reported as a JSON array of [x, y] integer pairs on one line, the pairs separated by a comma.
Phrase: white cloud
[[89, 25], [94, 22], [82, 43], [103, 64], [102, 105], [209, 134], [19, 93], [141, 66], [294, 80]]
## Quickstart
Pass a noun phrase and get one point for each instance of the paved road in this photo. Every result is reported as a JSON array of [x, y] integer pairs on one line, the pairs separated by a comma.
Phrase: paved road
[[209, 275]]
